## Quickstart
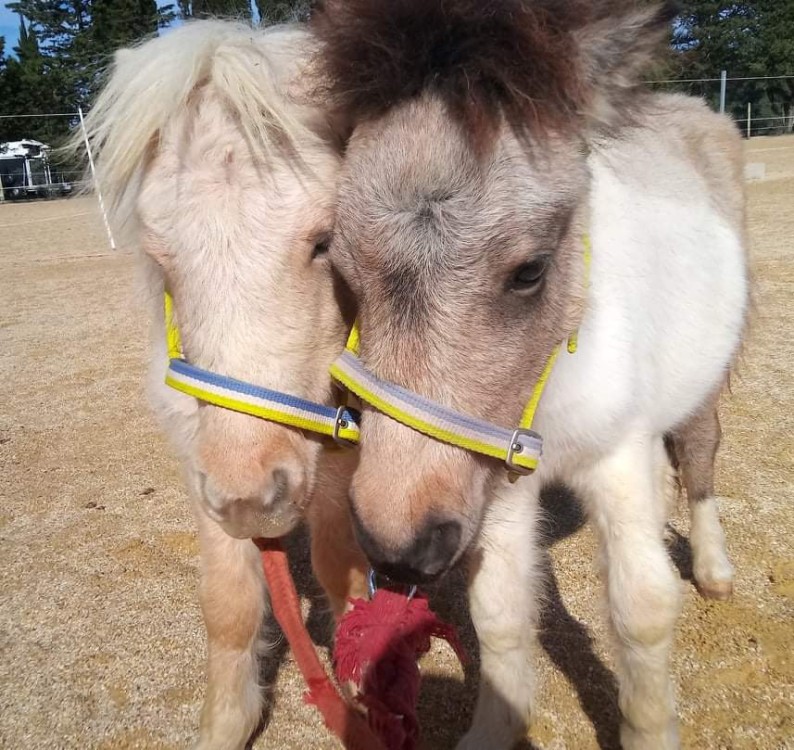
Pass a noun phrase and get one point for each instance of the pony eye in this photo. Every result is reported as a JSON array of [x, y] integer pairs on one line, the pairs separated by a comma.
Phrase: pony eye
[[528, 276], [321, 247]]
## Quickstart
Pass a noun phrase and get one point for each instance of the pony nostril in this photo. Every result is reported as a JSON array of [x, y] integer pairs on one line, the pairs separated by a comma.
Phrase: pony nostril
[[433, 551], [264, 506], [278, 491]]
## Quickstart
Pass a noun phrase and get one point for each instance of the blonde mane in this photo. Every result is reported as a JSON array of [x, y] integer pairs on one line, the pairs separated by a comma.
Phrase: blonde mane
[[152, 84]]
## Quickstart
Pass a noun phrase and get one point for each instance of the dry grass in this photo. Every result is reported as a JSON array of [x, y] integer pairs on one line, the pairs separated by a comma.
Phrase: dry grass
[[99, 626]]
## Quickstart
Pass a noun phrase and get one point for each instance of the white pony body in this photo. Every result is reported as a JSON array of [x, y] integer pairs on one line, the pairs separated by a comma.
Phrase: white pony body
[[668, 276], [666, 309], [469, 182]]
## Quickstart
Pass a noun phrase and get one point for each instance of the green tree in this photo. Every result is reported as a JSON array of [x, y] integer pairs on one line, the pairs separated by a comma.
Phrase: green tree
[[269, 11], [28, 89], [3, 86], [747, 39], [78, 37], [119, 23]]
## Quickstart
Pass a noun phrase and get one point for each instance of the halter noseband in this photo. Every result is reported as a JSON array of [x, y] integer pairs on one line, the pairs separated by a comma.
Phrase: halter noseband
[[520, 449], [340, 423]]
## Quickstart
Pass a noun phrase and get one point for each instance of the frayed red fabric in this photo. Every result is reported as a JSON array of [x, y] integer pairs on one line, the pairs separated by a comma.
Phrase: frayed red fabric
[[378, 644], [343, 720]]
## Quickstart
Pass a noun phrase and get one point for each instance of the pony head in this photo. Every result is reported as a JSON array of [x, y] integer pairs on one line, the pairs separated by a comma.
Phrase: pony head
[[216, 166]]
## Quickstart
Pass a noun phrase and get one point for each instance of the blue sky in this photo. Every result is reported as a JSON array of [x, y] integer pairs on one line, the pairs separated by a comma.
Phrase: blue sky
[[9, 26]]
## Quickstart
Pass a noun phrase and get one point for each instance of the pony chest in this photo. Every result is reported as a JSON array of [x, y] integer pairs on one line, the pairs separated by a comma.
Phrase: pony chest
[[590, 400]]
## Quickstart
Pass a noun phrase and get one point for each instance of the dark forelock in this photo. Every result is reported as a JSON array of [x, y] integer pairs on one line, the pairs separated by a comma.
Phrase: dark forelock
[[486, 59]]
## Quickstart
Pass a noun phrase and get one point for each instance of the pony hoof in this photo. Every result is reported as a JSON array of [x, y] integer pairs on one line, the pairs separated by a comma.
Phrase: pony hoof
[[719, 590]]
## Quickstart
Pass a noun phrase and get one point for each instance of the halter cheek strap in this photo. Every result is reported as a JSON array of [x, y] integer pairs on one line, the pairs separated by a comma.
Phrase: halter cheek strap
[[520, 449], [339, 423]]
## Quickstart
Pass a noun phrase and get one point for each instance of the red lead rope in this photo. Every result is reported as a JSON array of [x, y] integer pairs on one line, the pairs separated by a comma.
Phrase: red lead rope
[[344, 721]]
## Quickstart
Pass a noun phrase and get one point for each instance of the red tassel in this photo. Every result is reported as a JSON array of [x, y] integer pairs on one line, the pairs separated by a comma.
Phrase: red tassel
[[378, 644]]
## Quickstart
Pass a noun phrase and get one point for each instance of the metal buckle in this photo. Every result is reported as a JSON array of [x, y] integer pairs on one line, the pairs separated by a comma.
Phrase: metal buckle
[[516, 447], [340, 423], [372, 585]]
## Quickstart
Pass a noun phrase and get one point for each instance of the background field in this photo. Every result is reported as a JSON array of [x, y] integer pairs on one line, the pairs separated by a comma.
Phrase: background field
[[101, 643]]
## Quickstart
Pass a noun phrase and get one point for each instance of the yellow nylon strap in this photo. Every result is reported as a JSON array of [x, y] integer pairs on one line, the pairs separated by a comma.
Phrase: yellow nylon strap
[[354, 339], [428, 428], [173, 340], [263, 412], [532, 405], [573, 339], [573, 344], [174, 346]]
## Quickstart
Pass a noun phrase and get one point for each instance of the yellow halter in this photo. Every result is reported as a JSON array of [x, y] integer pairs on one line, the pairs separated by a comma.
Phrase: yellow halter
[[340, 423]]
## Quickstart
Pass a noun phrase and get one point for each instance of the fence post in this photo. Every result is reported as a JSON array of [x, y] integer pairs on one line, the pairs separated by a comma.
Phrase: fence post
[[723, 90], [96, 182], [749, 115]]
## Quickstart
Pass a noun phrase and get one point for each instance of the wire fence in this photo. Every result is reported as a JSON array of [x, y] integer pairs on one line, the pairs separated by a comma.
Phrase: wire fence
[[759, 105]]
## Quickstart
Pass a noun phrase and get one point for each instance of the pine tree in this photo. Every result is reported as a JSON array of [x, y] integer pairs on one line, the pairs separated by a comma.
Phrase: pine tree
[[269, 11], [4, 93], [746, 39], [78, 37], [29, 90], [116, 24]]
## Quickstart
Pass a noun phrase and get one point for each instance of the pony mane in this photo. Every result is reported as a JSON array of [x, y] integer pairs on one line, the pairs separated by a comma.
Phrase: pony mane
[[151, 84], [487, 59]]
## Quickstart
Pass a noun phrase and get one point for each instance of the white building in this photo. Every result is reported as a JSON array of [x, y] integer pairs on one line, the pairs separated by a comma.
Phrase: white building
[[25, 171]]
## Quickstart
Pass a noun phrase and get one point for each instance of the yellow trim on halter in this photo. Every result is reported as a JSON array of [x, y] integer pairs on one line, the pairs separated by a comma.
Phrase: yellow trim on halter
[[263, 412], [444, 436], [532, 405], [573, 339], [172, 337], [340, 425], [354, 339]]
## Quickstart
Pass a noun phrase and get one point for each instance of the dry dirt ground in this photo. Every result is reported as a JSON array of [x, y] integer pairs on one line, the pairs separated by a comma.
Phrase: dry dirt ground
[[100, 633]]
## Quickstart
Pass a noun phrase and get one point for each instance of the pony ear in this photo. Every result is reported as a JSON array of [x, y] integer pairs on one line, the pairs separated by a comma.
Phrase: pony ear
[[615, 50]]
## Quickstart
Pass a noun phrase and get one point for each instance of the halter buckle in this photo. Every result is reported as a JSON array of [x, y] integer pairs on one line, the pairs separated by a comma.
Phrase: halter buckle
[[517, 447], [341, 423]]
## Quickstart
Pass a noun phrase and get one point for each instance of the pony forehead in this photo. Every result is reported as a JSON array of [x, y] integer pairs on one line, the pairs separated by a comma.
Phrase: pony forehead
[[415, 174]]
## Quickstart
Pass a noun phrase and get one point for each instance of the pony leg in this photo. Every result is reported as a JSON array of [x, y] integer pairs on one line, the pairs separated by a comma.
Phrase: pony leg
[[643, 591], [503, 592], [232, 594], [338, 563], [696, 443]]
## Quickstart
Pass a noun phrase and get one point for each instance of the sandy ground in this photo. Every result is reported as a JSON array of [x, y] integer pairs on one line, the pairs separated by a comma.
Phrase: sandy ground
[[100, 633]]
